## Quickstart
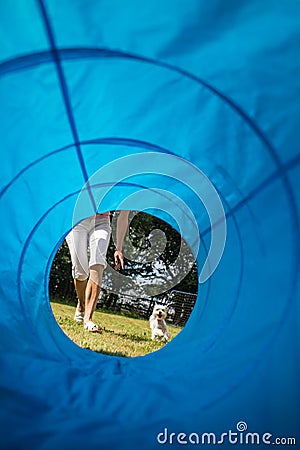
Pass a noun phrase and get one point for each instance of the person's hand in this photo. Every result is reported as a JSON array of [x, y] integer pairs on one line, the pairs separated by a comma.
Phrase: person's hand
[[119, 259]]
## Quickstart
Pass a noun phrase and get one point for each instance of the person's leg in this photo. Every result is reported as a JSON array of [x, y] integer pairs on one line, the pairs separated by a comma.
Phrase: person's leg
[[80, 287], [99, 240], [92, 291], [77, 241]]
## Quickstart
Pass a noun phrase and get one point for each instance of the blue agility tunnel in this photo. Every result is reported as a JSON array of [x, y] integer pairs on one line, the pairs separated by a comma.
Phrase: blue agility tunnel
[[144, 103]]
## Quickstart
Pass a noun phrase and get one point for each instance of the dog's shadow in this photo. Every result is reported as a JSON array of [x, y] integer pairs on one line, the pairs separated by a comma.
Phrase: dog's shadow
[[128, 336]]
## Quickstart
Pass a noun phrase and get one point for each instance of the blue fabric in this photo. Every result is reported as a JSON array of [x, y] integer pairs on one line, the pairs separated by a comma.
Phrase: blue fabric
[[215, 83]]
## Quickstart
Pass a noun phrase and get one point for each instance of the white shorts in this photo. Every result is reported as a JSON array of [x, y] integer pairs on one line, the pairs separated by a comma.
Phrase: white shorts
[[88, 242]]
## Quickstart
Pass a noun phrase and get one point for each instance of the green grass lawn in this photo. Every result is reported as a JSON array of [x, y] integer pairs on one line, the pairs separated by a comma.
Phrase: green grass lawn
[[121, 335]]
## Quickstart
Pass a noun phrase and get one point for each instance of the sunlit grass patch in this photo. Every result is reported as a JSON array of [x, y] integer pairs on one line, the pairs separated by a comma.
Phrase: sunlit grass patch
[[121, 335]]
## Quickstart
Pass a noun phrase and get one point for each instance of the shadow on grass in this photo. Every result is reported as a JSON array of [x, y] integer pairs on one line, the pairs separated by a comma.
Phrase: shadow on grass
[[103, 352], [130, 337]]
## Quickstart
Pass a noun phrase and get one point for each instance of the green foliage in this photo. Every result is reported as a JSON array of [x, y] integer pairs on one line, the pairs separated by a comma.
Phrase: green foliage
[[157, 272], [139, 238], [61, 283]]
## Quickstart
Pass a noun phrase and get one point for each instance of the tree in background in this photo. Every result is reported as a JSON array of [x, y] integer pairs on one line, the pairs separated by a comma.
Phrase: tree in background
[[61, 284], [165, 250]]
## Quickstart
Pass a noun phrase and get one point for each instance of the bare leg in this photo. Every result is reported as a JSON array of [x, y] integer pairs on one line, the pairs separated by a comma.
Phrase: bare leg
[[92, 291], [80, 287]]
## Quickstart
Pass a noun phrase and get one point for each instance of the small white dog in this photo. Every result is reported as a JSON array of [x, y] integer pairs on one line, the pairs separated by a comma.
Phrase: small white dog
[[158, 324]]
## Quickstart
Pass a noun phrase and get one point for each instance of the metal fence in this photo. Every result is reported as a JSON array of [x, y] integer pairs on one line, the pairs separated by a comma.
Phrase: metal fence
[[180, 305]]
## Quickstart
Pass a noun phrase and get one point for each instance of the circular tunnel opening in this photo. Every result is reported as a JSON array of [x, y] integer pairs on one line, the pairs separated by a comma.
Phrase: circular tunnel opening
[[140, 307]]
